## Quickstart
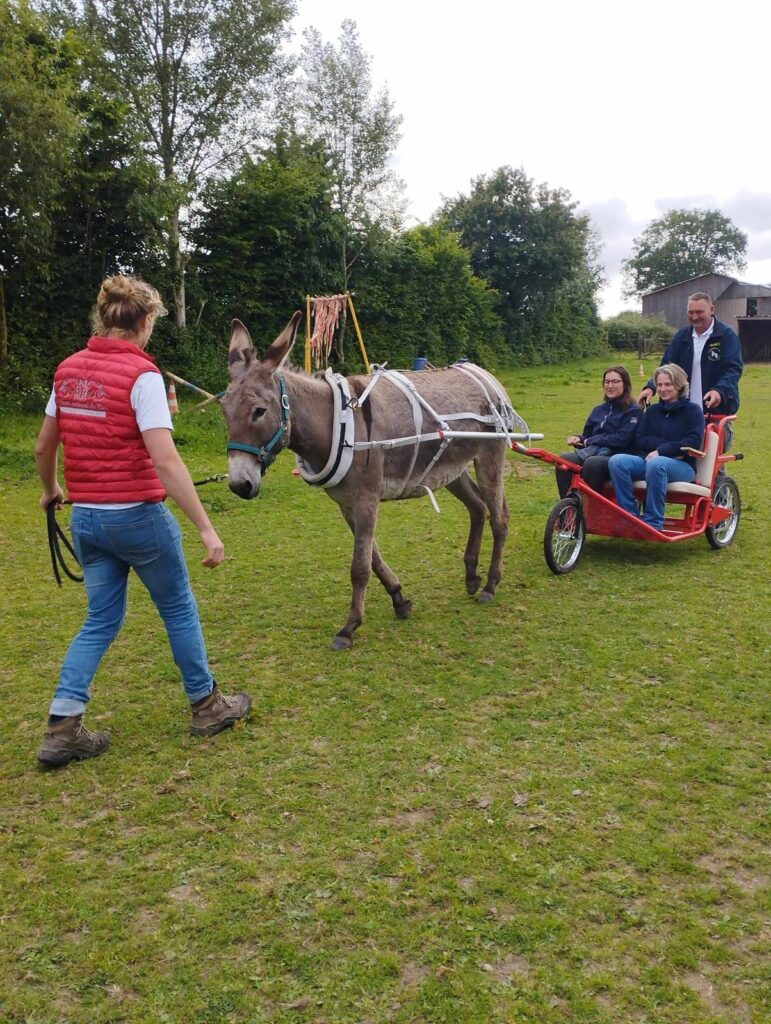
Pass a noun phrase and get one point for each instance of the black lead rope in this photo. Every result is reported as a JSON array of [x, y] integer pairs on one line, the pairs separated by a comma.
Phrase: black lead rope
[[57, 537], [210, 479]]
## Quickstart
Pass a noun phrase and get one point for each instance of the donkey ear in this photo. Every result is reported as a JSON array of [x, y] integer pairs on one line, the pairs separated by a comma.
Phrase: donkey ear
[[278, 353], [241, 349]]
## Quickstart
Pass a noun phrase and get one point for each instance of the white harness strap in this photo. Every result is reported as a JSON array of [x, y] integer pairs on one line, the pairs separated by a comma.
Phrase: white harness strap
[[408, 388], [343, 429], [504, 417]]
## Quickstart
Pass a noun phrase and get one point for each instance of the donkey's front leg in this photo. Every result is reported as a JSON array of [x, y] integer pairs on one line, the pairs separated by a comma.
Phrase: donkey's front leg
[[362, 521], [386, 575]]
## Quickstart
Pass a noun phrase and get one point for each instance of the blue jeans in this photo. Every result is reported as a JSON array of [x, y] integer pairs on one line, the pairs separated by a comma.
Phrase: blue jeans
[[657, 473], [109, 543]]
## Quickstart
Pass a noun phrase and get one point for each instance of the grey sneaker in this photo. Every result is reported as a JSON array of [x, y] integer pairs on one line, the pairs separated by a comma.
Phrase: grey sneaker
[[69, 740], [217, 712]]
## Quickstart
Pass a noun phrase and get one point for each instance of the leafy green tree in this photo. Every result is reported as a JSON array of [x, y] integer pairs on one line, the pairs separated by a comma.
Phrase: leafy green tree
[[100, 226], [195, 74], [683, 244], [417, 296], [529, 244], [39, 124], [266, 237], [359, 130]]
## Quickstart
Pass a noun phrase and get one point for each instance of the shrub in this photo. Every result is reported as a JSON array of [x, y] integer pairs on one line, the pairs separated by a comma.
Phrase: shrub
[[631, 331]]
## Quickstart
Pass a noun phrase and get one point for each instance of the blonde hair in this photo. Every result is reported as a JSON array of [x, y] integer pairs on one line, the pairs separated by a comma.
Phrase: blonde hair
[[123, 303], [677, 375]]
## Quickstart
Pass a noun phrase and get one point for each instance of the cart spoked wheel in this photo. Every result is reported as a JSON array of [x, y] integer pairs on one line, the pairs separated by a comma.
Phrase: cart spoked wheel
[[563, 540], [726, 496]]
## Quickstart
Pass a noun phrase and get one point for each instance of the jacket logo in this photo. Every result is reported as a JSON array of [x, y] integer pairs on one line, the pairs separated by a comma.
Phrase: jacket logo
[[713, 354], [79, 389]]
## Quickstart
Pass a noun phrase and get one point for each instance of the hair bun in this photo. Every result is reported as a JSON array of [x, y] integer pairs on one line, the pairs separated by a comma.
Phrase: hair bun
[[123, 303], [118, 287]]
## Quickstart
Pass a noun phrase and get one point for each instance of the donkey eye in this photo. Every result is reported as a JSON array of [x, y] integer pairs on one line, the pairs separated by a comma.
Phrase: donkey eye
[[258, 412]]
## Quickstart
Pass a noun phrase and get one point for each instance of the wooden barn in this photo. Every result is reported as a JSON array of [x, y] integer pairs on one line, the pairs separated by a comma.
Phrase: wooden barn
[[744, 307]]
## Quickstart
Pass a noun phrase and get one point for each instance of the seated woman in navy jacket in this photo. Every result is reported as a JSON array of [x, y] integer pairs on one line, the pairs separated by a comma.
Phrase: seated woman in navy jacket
[[609, 428], [665, 429]]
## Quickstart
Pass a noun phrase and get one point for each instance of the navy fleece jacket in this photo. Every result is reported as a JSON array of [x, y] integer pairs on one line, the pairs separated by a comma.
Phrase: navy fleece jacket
[[666, 427], [609, 426]]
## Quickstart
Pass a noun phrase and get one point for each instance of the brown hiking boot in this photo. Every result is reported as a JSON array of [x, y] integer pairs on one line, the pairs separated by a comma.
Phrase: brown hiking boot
[[217, 712], [69, 740]]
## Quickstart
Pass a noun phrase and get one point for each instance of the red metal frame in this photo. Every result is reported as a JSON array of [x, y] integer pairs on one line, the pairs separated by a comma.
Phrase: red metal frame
[[604, 518]]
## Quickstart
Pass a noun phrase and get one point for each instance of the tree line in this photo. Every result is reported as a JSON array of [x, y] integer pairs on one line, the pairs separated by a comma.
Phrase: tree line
[[180, 140]]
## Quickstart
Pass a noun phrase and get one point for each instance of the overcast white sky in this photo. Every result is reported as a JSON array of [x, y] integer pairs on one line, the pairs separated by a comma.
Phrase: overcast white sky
[[635, 108]]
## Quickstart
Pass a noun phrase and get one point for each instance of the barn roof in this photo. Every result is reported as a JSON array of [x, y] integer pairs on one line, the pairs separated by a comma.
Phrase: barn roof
[[688, 280], [733, 288]]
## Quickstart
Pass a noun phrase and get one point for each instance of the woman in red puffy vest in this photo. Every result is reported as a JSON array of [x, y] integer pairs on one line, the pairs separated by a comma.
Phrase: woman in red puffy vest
[[108, 410]]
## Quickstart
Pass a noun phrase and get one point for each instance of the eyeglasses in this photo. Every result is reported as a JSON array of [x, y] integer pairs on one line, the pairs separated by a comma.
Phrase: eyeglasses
[[612, 383]]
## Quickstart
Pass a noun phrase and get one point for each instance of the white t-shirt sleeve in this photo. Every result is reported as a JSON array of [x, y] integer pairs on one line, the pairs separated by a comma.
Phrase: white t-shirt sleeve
[[148, 400], [51, 406]]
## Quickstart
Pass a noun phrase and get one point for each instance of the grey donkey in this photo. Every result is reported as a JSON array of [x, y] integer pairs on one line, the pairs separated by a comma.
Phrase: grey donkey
[[269, 406]]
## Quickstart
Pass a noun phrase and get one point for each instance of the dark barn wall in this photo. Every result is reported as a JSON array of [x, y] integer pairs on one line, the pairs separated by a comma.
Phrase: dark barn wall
[[671, 303], [755, 338]]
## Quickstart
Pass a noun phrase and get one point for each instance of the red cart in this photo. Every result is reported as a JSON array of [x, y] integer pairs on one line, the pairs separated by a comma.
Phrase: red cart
[[710, 505]]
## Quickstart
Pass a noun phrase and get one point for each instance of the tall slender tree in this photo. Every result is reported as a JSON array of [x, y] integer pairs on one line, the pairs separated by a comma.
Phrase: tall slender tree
[[196, 73], [339, 108]]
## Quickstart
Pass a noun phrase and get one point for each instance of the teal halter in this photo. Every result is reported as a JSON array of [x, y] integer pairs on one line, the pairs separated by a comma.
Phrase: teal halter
[[267, 453]]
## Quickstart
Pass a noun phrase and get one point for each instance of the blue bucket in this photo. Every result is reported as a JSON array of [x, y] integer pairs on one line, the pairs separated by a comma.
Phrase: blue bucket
[[420, 363]]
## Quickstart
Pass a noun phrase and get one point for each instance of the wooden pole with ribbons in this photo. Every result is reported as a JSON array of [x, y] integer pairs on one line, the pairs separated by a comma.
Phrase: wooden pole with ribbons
[[307, 334], [355, 319], [321, 306]]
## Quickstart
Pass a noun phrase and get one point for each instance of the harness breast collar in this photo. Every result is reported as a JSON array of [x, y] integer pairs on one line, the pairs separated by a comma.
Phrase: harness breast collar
[[343, 429]]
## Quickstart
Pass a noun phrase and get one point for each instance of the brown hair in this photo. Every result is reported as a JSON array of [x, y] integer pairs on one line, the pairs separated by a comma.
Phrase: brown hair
[[626, 400], [123, 303], [677, 375]]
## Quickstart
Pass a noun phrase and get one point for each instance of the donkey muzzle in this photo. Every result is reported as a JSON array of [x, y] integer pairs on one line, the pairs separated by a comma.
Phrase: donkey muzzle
[[244, 475]]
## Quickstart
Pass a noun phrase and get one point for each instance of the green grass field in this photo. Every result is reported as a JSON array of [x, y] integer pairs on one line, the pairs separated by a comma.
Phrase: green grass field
[[550, 809]]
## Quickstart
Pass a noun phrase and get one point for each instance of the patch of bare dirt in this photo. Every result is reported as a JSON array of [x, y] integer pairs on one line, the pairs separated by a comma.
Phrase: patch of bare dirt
[[507, 970], [187, 894], [146, 920], [413, 975], [737, 1013], [409, 819], [521, 469]]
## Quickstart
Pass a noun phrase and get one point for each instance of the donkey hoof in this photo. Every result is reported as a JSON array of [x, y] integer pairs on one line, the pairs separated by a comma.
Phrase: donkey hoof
[[486, 597], [403, 609], [473, 585], [342, 643]]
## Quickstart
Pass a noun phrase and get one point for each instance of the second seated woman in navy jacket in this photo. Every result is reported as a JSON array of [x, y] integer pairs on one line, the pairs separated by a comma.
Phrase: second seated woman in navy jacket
[[609, 428]]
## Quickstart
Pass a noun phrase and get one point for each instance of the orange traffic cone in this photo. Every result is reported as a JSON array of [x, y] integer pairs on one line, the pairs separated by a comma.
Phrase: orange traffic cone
[[173, 404]]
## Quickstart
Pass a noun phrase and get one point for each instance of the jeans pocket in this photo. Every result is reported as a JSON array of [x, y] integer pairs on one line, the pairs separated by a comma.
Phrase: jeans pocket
[[136, 543]]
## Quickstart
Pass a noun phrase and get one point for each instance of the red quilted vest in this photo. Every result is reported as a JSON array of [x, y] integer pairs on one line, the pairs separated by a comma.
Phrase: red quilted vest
[[105, 459]]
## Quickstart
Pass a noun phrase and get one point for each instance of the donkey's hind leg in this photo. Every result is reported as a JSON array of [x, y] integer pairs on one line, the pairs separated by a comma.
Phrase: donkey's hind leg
[[465, 490], [489, 465], [386, 575]]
